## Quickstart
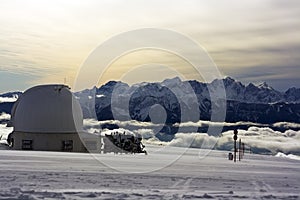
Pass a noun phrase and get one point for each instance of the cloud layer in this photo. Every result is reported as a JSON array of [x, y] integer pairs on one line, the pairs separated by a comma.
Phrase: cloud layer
[[4, 132], [7, 99], [4, 116], [258, 139]]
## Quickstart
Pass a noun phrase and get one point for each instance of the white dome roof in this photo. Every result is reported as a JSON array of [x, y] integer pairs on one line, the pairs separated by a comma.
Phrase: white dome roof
[[47, 109]]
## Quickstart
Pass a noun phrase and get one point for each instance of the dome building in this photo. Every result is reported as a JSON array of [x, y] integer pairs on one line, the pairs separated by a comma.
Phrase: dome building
[[47, 118]]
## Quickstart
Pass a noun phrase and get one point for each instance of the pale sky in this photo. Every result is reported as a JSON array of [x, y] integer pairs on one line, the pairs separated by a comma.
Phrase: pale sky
[[46, 41]]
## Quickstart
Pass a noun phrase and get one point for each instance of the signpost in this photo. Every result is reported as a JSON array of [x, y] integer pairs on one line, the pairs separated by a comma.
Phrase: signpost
[[235, 132], [240, 149]]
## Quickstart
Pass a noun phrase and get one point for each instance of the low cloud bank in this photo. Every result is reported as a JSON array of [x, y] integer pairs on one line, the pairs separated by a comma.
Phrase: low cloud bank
[[202, 123], [194, 140], [266, 140], [8, 99], [88, 123], [286, 125], [4, 132], [4, 116], [258, 139], [133, 123]]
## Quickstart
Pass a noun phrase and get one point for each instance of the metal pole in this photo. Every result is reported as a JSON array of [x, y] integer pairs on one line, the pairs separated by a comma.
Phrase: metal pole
[[240, 149], [235, 132], [234, 150]]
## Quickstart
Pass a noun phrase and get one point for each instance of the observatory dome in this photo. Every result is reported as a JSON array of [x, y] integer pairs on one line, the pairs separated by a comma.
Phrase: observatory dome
[[47, 109]]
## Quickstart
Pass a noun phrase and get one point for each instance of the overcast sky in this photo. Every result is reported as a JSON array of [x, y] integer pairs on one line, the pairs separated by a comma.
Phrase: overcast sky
[[46, 41]]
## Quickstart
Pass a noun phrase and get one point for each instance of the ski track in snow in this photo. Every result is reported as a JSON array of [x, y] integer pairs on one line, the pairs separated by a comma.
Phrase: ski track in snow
[[58, 175]]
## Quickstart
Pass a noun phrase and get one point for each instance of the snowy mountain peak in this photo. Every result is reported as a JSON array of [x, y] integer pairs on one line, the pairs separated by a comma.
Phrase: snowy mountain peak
[[251, 85], [172, 82], [264, 85], [229, 79]]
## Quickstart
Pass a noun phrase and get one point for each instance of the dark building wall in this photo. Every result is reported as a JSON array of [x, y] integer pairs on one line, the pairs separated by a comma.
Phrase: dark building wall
[[47, 142]]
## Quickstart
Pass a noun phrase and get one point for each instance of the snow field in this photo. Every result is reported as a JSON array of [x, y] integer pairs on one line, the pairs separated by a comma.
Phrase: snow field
[[58, 175]]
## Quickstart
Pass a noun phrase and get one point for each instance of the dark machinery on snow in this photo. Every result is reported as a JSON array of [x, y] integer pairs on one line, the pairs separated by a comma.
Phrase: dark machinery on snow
[[115, 142], [123, 143]]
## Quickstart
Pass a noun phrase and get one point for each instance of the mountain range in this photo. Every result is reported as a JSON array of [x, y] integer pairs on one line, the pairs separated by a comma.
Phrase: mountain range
[[173, 100], [255, 103]]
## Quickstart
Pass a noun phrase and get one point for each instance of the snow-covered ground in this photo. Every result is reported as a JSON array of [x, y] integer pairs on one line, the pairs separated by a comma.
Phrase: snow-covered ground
[[196, 174]]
